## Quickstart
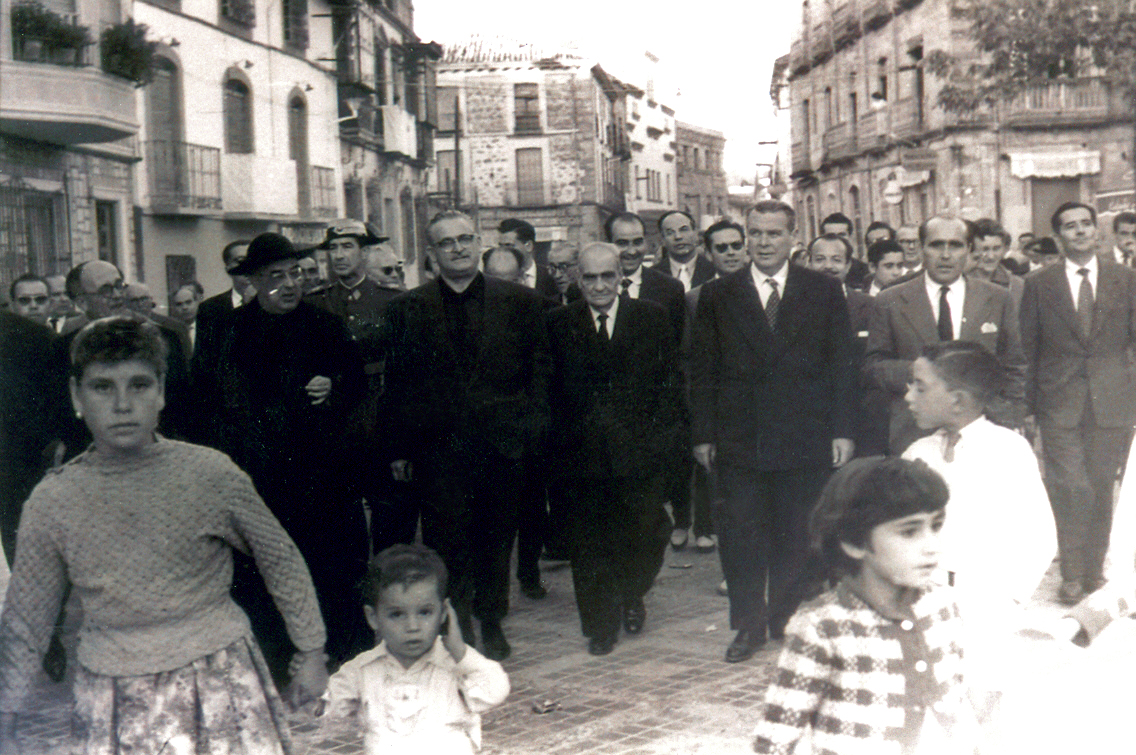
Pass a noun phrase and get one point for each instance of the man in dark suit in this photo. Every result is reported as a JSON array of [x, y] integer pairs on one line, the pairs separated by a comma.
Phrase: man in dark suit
[[832, 255], [682, 258], [214, 311], [617, 406], [839, 224], [628, 234], [275, 390], [563, 268], [1078, 322], [772, 393], [467, 379], [940, 304], [520, 236]]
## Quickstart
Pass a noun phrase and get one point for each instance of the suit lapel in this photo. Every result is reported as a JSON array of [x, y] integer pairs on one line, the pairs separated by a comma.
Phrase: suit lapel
[[974, 305], [744, 306], [917, 310], [1056, 288], [1108, 289]]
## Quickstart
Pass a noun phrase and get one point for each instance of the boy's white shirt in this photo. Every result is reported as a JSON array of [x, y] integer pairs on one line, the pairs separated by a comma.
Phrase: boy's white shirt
[[999, 536], [434, 706]]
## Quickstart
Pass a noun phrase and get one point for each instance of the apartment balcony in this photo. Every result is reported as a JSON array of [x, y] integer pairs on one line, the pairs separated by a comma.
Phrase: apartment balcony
[[324, 204], [868, 132], [876, 13], [184, 179], [800, 154], [845, 24], [366, 126], [65, 104], [798, 57], [907, 118], [821, 42], [839, 142], [1068, 102]]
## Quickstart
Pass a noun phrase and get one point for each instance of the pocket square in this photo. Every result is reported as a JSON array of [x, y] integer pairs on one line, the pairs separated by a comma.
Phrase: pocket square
[[988, 327]]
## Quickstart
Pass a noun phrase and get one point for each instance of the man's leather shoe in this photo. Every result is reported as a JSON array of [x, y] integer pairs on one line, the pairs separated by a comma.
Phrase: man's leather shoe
[[601, 645], [533, 590], [704, 544], [493, 639], [745, 644], [1071, 593], [634, 617]]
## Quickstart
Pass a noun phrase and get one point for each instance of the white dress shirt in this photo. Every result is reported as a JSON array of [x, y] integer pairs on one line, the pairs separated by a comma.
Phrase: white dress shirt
[[761, 281], [956, 297], [684, 274], [610, 317], [528, 277], [1074, 277], [636, 282], [874, 289], [238, 300]]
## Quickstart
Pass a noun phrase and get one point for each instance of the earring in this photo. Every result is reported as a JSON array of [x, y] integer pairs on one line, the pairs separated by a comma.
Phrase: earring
[[78, 414]]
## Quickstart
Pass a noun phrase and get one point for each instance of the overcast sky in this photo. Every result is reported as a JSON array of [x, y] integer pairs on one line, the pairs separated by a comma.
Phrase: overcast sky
[[718, 54]]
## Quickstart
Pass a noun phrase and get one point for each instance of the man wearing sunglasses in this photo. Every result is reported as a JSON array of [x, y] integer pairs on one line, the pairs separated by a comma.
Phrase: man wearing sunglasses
[[467, 388], [29, 298]]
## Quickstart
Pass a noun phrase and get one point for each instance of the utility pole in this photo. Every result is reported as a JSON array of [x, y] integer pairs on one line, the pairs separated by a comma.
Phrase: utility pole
[[457, 154]]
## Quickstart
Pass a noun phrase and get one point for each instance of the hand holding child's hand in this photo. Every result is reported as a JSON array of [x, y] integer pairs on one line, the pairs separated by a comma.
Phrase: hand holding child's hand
[[309, 677], [451, 634]]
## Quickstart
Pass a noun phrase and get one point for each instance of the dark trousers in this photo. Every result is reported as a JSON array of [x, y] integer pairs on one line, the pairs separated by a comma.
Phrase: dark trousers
[[469, 516], [697, 508], [619, 535], [762, 523], [395, 507], [1081, 464], [532, 523]]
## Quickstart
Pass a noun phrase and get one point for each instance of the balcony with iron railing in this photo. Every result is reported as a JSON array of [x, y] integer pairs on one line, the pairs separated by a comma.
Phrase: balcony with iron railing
[[821, 40], [798, 57], [867, 131], [845, 23], [1062, 102], [906, 118], [184, 179]]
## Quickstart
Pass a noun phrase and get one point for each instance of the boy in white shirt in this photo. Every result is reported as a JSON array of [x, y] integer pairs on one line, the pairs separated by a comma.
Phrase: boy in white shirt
[[422, 689], [1000, 537]]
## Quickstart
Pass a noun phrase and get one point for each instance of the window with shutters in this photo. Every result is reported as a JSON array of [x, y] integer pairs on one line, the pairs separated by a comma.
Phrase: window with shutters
[[295, 19], [526, 98], [237, 109]]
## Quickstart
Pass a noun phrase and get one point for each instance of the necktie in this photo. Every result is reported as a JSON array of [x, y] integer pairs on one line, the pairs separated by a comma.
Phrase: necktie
[[772, 304], [1085, 302], [55, 323], [946, 329], [950, 440], [603, 334], [626, 293]]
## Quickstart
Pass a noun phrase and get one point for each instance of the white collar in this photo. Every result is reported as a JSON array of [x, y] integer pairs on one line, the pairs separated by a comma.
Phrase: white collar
[[781, 276], [611, 312]]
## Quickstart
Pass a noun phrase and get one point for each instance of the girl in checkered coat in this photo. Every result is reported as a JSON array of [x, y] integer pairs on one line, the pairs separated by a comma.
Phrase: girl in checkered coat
[[874, 666]]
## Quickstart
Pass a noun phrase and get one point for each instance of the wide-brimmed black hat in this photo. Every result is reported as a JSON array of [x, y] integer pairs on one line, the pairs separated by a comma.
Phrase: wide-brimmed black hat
[[266, 249], [354, 228]]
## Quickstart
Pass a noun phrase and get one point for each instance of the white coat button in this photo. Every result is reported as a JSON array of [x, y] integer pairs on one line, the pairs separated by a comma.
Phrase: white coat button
[[921, 666], [907, 625]]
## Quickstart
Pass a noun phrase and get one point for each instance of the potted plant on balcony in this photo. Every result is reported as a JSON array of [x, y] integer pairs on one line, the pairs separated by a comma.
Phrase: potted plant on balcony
[[66, 43], [41, 34], [125, 51]]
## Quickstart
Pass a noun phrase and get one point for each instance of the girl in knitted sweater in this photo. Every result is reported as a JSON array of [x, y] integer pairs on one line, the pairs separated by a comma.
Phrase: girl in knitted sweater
[[142, 529]]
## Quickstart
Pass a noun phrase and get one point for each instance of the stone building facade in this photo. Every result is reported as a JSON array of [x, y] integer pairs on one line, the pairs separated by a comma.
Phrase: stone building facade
[[702, 182], [652, 187], [869, 140], [238, 133], [531, 134], [67, 146]]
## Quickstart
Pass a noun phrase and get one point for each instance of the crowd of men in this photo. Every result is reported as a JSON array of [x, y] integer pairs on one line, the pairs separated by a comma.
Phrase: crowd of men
[[564, 404]]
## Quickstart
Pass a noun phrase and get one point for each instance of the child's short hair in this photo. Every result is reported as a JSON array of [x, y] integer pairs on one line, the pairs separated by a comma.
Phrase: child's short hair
[[118, 339], [864, 494], [967, 366], [404, 565]]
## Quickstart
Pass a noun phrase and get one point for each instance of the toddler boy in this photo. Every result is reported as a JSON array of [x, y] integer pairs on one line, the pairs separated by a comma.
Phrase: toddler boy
[[422, 689], [875, 664], [999, 538]]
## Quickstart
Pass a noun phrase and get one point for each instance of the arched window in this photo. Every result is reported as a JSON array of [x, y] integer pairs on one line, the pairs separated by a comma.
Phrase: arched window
[[298, 150], [237, 109]]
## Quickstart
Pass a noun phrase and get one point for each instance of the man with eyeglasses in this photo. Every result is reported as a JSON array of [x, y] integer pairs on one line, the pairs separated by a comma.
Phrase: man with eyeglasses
[[29, 298], [386, 266], [682, 259], [520, 236], [277, 390], [467, 381], [564, 268]]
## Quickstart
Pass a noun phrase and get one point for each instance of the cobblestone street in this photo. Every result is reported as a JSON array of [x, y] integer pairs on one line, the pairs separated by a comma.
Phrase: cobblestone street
[[665, 692]]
